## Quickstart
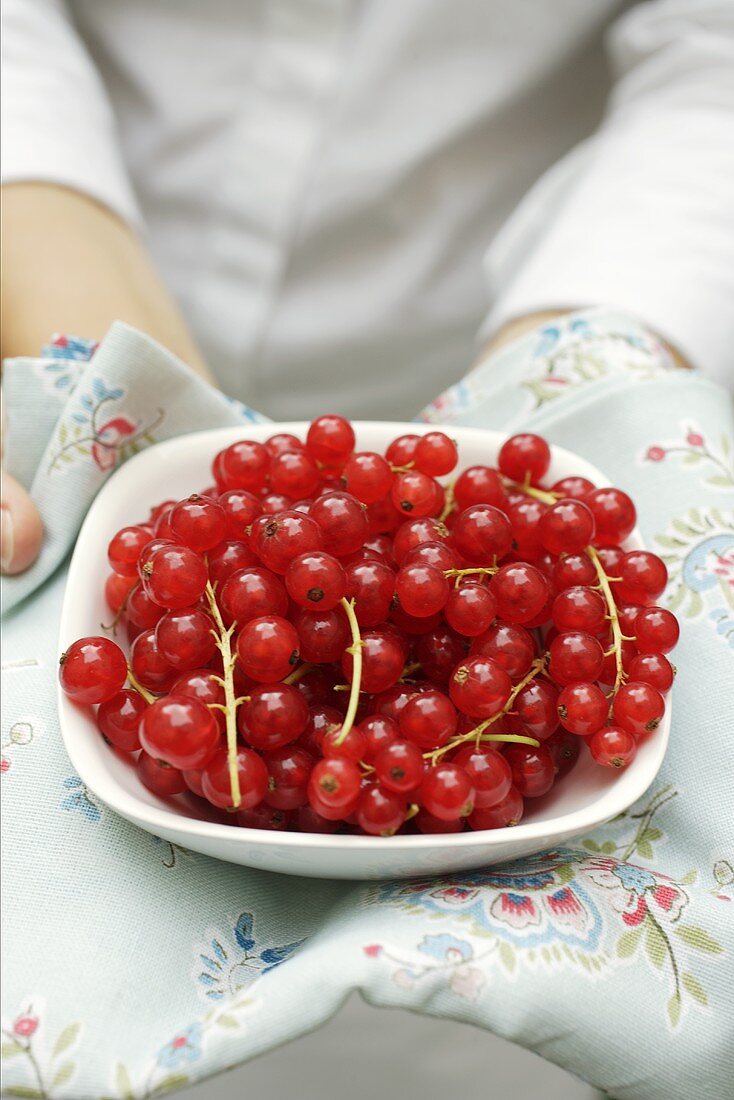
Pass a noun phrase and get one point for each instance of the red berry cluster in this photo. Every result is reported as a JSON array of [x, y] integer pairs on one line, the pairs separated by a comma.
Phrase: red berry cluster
[[331, 639]]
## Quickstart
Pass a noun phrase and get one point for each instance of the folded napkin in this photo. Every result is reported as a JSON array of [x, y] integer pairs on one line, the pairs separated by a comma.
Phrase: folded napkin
[[134, 967]]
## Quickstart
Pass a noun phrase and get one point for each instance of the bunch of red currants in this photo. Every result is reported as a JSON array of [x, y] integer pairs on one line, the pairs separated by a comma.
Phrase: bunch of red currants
[[329, 639]]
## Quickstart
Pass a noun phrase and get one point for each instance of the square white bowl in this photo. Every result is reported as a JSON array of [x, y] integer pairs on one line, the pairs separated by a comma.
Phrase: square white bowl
[[583, 800]]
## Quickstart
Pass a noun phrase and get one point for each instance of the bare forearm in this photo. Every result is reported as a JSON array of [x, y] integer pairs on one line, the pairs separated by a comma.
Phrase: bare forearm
[[70, 265]]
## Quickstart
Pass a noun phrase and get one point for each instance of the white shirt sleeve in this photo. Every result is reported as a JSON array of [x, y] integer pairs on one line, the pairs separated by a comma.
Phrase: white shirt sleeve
[[641, 216], [57, 122]]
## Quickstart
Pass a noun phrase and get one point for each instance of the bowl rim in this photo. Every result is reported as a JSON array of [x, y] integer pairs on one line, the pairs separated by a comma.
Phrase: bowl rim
[[625, 790]]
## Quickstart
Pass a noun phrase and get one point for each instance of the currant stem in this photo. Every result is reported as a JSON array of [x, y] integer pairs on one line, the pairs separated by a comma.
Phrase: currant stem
[[485, 570], [449, 503], [530, 491], [224, 645], [356, 651], [137, 686], [617, 636], [478, 734], [299, 673]]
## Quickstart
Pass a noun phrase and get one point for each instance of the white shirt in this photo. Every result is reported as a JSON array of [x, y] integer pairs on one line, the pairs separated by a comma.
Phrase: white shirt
[[318, 180]]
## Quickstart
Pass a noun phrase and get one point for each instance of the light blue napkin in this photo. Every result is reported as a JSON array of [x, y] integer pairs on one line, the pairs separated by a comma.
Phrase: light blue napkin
[[133, 967]]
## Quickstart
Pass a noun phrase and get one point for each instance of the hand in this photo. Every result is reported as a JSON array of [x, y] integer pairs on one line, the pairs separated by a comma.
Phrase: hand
[[21, 530]]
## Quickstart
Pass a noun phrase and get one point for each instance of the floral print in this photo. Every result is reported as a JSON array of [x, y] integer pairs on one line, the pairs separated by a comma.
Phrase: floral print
[[44, 1071], [80, 800], [107, 440], [564, 906], [692, 450], [227, 962]]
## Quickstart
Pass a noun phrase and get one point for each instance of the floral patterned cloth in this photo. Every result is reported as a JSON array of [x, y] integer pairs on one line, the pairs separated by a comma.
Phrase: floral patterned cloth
[[133, 967]]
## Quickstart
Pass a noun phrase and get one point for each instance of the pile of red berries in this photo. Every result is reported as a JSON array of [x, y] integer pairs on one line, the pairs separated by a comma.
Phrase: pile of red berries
[[330, 639]]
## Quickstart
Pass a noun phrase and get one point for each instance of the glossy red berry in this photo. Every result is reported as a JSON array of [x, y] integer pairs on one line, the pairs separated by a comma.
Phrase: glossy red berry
[[582, 708], [521, 591], [159, 777], [267, 648], [289, 769], [330, 440], [653, 669], [294, 474], [117, 590], [175, 577], [576, 488], [614, 513], [343, 522], [280, 538], [533, 770], [118, 719], [567, 527], [503, 815], [401, 451], [371, 584], [489, 773], [525, 516], [638, 708], [273, 716], [579, 608], [367, 476], [334, 787], [353, 746], [479, 687], [470, 609], [379, 731], [436, 454], [252, 774], [180, 731], [124, 549], [613, 747], [380, 811], [242, 465], [281, 443], [482, 534], [198, 522], [241, 509], [524, 457], [322, 635], [573, 570], [510, 646], [536, 709], [421, 589], [446, 792], [428, 719], [643, 577], [316, 581], [575, 657], [92, 670], [227, 558], [399, 766], [383, 659], [414, 494], [479, 485], [656, 630], [252, 592], [185, 638]]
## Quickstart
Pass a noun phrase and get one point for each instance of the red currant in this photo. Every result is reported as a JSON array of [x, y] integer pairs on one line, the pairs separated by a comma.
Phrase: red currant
[[267, 648], [503, 815], [656, 630], [524, 457], [653, 669], [613, 747], [175, 577], [316, 581], [446, 792], [278, 539], [582, 708], [436, 454], [367, 476], [479, 485], [330, 440], [489, 773], [252, 592], [92, 670], [482, 534], [399, 766], [252, 774], [180, 731], [567, 527], [119, 718], [185, 638], [479, 687], [533, 770], [614, 513], [521, 591], [159, 777], [428, 720], [124, 549], [575, 657], [638, 707]]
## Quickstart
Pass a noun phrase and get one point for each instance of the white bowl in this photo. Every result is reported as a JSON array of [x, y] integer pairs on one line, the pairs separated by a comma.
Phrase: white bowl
[[580, 803]]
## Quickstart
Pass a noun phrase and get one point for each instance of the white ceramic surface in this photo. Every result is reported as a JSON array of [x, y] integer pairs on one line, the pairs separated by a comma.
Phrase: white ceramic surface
[[174, 469]]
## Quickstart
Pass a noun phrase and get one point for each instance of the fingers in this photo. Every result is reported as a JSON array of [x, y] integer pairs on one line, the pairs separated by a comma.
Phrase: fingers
[[21, 530]]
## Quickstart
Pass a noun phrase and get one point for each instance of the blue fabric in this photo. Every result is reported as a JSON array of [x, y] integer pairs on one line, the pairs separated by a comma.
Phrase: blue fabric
[[133, 967]]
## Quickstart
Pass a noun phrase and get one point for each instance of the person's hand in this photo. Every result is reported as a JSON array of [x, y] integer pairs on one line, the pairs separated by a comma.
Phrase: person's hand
[[21, 530]]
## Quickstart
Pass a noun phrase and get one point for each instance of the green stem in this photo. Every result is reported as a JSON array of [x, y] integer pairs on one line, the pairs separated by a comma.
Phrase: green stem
[[224, 645], [478, 734], [530, 491], [137, 686], [356, 651], [614, 620], [299, 673]]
